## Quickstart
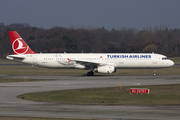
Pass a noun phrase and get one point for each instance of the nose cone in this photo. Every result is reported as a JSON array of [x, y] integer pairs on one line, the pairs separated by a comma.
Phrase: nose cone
[[171, 63]]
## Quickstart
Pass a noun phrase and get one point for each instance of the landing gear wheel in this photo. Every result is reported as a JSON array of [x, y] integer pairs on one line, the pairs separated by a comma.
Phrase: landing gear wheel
[[91, 73], [154, 74]]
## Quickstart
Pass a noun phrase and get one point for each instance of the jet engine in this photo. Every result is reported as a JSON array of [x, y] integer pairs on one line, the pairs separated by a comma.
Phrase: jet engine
[[105, 69], [80, 66]]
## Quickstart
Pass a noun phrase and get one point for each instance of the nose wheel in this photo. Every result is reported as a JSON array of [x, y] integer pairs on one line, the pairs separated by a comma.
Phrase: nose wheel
[[154, 72], [90, 73]]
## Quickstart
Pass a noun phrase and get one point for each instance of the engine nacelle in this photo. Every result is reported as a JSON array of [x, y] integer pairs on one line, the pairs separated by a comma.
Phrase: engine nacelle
[[105, 69], [80, 66]]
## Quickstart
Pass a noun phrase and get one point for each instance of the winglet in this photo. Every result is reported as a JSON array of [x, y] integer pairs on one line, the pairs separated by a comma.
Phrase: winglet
[[18, 44]]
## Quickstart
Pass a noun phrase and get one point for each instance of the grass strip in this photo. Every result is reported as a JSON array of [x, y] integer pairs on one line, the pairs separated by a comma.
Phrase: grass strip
[[176, 60], [159, 95], [29, 70]]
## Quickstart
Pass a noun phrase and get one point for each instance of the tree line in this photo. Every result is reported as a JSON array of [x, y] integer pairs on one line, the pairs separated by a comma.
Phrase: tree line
[[93, 40]]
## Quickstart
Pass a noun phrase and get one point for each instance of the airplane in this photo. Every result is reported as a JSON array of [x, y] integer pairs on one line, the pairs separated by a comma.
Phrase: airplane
[[94, 62]]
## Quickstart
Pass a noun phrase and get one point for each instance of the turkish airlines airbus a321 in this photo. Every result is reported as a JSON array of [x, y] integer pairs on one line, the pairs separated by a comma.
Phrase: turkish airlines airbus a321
[[98, 62]]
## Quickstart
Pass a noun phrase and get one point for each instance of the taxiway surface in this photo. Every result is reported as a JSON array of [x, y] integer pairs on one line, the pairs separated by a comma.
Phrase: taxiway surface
[[10, 105]]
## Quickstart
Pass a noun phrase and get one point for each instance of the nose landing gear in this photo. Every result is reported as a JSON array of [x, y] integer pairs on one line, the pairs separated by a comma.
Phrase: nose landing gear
[[154, 72]]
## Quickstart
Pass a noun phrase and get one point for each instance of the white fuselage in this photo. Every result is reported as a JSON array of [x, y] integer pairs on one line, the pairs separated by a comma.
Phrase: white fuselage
[[79, 60]]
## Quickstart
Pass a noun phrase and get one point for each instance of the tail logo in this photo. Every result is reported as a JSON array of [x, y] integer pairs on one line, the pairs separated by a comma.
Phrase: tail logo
[[19, 46]]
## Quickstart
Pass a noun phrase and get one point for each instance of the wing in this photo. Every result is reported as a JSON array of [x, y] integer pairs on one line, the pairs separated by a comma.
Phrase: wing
[[88, 64]]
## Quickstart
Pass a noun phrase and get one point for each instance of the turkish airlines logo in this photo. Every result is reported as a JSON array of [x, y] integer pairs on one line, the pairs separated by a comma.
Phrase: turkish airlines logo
[[19, 47]]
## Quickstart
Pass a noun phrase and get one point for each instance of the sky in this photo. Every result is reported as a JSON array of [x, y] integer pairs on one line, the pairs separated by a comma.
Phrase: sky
[[109, 14]]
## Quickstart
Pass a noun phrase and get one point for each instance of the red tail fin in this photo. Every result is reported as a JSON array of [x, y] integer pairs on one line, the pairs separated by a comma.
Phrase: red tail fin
[[18, 44]]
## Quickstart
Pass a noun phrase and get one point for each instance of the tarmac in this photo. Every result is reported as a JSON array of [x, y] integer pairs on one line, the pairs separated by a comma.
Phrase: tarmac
[[10, 105]]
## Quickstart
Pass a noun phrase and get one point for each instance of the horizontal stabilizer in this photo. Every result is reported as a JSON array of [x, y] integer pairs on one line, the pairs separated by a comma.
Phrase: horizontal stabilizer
[[15, 57]]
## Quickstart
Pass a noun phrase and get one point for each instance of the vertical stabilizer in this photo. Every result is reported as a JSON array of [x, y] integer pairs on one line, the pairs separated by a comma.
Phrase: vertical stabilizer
[[18, 44]]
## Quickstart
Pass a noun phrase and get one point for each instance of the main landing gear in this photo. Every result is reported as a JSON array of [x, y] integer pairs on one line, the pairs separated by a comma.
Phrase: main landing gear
[[154, 72], [90, 73]]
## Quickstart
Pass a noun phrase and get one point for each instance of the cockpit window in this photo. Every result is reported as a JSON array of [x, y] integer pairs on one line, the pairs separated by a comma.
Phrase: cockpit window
[[165, 58]]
